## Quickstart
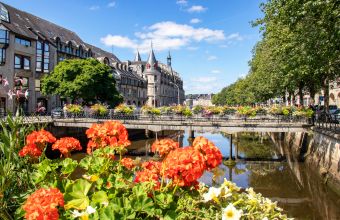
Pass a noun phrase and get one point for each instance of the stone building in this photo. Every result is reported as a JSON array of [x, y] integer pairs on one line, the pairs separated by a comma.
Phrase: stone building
[[164, 85]]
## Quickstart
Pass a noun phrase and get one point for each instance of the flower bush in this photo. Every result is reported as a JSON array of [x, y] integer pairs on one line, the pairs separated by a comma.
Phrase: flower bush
[[124, 109], [246, 111], [99, 109], [74, 108], [125, 188]]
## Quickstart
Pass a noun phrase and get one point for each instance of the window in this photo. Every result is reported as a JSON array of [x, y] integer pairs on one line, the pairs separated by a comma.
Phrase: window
[[23, 42], [46, 58], [2, 55], [22, 62], [3, 13], [4, 36], [37, 85], [39, 56]]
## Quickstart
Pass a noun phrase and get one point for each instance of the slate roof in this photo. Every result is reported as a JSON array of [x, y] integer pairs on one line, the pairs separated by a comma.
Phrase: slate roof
[[102, 53], [31, 26]]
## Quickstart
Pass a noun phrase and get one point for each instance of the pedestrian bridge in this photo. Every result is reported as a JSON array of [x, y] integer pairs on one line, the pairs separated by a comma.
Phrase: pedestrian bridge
[[228, 124], [231, 124]]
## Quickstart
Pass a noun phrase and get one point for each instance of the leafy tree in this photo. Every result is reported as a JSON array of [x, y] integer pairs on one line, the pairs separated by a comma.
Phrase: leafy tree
[[82, 78]]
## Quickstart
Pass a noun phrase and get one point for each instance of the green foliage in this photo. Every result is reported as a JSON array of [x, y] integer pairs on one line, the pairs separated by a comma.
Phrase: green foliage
[[187, 112], [299, 52], [246, 111], [15, 172], [74, 108], [99, 109], [124, 109], [155, 111], [82, 78], [198, 109]]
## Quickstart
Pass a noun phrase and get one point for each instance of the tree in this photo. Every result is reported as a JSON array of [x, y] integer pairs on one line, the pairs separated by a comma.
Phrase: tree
[[82, 78]]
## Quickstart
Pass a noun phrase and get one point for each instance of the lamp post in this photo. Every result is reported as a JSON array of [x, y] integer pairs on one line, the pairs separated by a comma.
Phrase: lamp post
[[177, 92]]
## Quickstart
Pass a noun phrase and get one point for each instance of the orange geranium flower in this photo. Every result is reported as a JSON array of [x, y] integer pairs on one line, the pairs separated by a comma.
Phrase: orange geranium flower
[[150, 173], [164, 146], [31, 150], [128, 163], [43, 203], [184, 166], [212, 155], [66, 144], [110, 133], [36, 143]]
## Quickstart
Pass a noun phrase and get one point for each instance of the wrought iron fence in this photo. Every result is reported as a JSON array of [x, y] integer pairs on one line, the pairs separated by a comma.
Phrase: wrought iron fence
[[327, 121]]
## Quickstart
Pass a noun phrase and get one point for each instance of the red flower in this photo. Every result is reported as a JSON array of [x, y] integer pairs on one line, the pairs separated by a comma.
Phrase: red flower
[[66, 145], [164, 146], [31, 150], [212, 155], [184, 166], [111, 133], [128, 163], [36, 143], [43, 203], [150, 173]]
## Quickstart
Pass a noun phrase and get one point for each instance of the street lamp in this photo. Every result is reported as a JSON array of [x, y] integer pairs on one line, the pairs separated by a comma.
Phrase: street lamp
[[177, 92]]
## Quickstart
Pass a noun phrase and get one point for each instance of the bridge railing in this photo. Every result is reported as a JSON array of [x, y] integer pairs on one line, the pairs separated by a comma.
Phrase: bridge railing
[[327, 121], [195, 118]]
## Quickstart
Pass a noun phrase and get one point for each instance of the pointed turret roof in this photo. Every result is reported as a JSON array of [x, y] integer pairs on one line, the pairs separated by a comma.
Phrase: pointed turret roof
[[137, 57], [152, 62]]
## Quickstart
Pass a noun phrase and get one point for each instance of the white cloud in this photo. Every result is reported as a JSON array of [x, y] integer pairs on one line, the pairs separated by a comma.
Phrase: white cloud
[[235, 36], [165, 35], [197, 8], [210, 58], [118, 41], [204, 79], [111, 4], [195, 21], [94, 8], [215, 71], [182, 2]]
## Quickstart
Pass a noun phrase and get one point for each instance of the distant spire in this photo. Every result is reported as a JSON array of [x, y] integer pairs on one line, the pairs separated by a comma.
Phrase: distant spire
[[137, 57], [169, 59], [152, 62]]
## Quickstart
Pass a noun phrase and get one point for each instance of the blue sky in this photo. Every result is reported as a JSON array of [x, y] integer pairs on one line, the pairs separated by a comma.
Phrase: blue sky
[[210, 40]]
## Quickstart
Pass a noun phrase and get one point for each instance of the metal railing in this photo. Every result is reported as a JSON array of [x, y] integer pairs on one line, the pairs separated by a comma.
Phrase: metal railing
[[327, 121], [277, 119]]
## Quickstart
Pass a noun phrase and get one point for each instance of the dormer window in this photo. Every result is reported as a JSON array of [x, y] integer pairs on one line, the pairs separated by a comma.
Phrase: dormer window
[[4, 13]]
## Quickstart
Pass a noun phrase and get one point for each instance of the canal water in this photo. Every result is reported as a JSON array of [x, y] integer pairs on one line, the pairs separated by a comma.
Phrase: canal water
[[270, 169]]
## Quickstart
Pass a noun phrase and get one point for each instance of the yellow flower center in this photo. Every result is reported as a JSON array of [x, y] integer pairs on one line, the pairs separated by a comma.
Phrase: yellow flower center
[[229, 214]]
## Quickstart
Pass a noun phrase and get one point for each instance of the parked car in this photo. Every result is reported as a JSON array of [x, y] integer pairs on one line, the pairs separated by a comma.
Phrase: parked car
[[332, 108], [336, 116], [57, 112]]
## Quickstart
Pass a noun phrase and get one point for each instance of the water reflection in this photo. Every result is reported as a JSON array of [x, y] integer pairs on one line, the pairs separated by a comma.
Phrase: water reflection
[[298, 190]]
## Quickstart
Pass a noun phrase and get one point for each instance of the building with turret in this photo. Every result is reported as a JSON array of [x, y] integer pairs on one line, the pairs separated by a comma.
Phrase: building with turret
[[164, 85]]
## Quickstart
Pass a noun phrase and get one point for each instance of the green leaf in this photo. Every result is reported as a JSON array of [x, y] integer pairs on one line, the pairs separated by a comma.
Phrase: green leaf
[[100, 197], [68, 166], [76, 195], [164, 200]]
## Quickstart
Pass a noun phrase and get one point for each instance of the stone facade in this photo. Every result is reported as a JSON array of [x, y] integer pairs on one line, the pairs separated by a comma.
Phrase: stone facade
[[164, 85]]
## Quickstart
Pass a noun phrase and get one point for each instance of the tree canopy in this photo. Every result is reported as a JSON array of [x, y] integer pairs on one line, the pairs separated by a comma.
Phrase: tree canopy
[[87, 79], [299, 52]]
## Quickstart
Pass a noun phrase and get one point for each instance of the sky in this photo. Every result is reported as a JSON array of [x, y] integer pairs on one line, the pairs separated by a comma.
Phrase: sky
[[210, 41]]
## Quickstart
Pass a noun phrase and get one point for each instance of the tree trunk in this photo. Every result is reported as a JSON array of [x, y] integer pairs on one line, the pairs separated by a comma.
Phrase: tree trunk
[[300, 94], [325, 87]]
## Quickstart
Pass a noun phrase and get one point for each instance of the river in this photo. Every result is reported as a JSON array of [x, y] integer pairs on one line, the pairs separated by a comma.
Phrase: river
[[270, 170]]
